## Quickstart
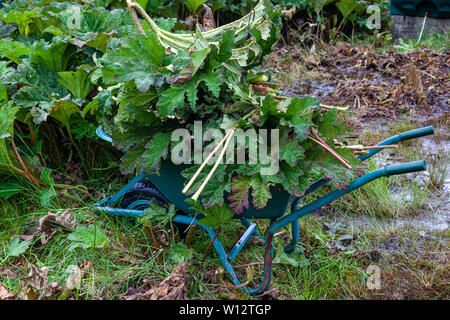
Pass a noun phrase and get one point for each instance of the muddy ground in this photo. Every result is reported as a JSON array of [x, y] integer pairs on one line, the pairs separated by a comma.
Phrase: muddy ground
[[388, 93]]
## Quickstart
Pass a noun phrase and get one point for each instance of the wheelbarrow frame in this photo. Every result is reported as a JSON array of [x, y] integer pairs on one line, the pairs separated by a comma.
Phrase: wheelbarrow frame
[[106, 206]]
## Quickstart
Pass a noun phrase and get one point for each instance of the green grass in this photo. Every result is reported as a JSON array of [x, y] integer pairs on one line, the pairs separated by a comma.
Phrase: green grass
[[326, 275], [434, 41], [382, 42], [129, 260]]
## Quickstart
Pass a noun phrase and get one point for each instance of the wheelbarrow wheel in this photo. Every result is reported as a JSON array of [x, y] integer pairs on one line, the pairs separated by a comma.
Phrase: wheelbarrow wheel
[[139, 196]]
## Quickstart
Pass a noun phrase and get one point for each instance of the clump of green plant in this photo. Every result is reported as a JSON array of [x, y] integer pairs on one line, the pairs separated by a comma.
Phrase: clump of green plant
[[48, 52], [165, 81]]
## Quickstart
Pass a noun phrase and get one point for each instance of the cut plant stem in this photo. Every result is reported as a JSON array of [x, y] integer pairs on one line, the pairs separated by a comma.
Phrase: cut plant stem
[[361, 147], [321, 143], [24, 167], [191, 181], [314, 133], [334, 153], [334, 107], [153, 236], [219, 159], [33, 138], [209, 246], [135, 17], [227, 140]]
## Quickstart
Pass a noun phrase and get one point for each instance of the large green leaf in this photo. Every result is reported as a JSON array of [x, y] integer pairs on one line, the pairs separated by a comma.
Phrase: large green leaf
[[63, 110], [16, 247], [156, 149], [23, 19], [330, 126], [88, 237], [193, 5], [123, 64], [77, 82], [7, 117], [54, 56], [260, 192], [295, 258], [215, 216], [14, 50], [346, 7], [239, 196]]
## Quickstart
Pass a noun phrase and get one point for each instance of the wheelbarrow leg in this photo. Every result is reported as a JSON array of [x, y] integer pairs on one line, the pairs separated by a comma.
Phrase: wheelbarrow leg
[[295, 228], [224, 259], [246, 222], [268, 258], [295, 237]]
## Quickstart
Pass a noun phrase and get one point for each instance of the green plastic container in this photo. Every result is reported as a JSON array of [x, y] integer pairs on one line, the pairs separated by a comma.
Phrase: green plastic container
[[418, 8]]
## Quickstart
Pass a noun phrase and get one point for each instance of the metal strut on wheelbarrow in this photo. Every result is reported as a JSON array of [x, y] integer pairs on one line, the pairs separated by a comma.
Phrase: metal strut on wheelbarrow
[[169, 183]]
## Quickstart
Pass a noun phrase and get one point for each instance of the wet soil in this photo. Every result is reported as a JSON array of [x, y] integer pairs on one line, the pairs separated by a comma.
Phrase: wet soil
[[381, 87]]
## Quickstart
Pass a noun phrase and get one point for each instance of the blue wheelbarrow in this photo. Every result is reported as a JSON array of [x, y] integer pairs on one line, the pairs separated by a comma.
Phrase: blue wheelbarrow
[[166, 187]]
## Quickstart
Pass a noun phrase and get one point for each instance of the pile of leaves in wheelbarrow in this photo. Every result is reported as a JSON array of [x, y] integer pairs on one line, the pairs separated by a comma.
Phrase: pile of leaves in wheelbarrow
[[165, 81]]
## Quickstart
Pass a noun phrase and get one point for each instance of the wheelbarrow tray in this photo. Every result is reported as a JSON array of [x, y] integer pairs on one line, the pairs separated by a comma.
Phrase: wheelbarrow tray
[[170, 183]]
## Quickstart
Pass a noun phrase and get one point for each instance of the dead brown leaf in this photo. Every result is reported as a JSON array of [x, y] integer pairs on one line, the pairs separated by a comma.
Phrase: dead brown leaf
[[5, 294], [37, 278], [7, 272], [36, 284], [48, 226], [174, 287], [208, 19]]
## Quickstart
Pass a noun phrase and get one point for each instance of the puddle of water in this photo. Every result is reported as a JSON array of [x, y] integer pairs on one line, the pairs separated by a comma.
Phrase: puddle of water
[[437, 206], [434, 222], [313, 88]]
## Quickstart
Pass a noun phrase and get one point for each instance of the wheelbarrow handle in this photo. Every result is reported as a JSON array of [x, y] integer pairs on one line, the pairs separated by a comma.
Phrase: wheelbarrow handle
[[406, 168], [416, 133], [103, 135], [407, 135]]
